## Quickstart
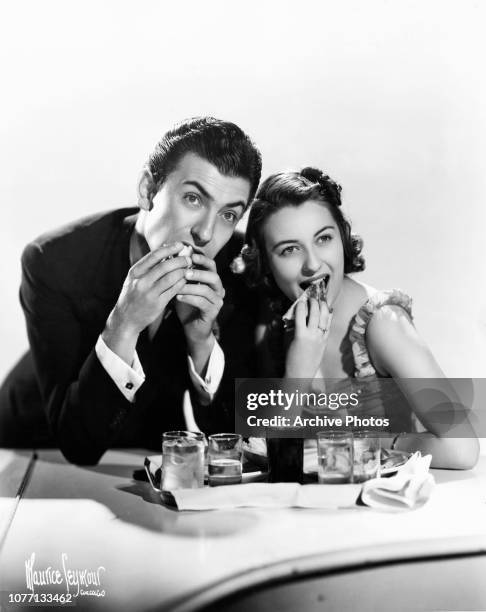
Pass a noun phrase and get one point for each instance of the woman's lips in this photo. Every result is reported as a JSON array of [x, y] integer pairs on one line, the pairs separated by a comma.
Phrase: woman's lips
[[304, 285]]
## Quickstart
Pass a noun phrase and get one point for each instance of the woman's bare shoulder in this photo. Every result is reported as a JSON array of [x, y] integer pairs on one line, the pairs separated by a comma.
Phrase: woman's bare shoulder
[[361, 288], [354, 295]]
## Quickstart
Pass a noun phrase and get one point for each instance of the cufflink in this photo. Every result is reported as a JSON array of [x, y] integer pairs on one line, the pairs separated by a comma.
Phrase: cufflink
[[129, 386], [208, 380]]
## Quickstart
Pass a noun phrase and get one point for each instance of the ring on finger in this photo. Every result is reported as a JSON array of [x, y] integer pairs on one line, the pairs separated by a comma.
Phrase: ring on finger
[[323, 329]]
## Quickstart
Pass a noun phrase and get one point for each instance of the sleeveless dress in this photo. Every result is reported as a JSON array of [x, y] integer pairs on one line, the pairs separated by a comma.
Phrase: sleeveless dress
[[379, 396], [357, 334]]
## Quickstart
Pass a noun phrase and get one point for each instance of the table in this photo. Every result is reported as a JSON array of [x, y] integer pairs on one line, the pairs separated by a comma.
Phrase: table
[[155, 558], [15, 467]]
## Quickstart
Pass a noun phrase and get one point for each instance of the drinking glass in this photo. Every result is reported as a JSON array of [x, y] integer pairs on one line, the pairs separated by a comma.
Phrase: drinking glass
[[335, 457], [225, 452], [367, 454], [182, 460]]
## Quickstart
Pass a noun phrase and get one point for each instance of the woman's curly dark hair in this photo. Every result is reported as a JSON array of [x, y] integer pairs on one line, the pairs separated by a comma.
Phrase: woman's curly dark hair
[[292, 189]]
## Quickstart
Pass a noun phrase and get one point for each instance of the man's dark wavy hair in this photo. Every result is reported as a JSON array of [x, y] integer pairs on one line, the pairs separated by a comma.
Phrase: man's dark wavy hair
[[293, 189], [221, 143]]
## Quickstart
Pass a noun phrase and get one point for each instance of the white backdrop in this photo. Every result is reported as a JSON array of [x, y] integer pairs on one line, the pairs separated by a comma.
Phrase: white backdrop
[[387, 97]]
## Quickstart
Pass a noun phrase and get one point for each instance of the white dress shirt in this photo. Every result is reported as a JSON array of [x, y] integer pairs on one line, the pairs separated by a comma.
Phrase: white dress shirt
[[129, 379]]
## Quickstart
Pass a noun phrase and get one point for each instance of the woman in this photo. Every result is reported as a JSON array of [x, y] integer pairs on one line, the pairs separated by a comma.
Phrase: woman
[[297, 235]]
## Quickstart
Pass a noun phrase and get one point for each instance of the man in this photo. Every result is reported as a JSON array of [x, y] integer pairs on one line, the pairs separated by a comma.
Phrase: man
[[123, 308]]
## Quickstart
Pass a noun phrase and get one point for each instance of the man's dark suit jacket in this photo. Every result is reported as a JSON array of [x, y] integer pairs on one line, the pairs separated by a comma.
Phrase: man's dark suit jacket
[[71, 280]]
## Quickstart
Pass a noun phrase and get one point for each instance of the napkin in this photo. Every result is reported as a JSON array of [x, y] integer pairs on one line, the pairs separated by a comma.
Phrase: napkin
[[268, 495], [409, 488], [317, 289]]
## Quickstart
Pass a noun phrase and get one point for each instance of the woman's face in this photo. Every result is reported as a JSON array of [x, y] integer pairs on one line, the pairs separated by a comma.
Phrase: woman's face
[[303, 244]]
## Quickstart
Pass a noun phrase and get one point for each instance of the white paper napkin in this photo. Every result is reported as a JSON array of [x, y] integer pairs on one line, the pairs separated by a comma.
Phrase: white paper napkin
[[268, 495], [409, 488]]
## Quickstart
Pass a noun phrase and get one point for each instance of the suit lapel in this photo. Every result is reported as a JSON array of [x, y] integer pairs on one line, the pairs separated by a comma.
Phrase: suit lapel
[[109, 272]]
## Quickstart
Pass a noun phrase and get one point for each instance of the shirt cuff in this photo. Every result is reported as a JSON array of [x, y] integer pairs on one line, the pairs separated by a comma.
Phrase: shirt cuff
[[127, 379], [208, 386]]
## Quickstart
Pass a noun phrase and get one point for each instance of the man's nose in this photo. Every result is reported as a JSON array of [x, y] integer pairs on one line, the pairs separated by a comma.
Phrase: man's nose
[[202, 232], [312, 263]]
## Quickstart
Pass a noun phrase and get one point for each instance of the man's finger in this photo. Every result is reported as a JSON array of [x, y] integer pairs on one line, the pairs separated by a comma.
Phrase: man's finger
[[203, 291], [197, 301], [208, 278], [171, 292], [162, 268], [204, 262], [145, 263], [167, 281]]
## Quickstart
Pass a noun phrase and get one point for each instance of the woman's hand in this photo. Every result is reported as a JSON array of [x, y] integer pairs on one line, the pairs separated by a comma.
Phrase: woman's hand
[[306, 350]]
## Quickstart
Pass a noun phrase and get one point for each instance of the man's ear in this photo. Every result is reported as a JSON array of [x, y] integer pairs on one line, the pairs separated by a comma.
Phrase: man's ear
[[146, 189]]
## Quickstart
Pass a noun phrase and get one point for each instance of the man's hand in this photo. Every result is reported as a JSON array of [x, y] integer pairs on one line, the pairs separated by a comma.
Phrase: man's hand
[[197, 305], [149, 286]]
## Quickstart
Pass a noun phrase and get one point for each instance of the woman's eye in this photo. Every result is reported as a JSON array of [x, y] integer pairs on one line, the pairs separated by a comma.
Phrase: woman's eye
[[193, 199], [230, 216], [288, 250], [324, 238]]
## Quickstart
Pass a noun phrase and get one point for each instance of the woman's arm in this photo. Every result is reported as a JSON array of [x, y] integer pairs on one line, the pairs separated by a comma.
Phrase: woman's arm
[[397, 350]]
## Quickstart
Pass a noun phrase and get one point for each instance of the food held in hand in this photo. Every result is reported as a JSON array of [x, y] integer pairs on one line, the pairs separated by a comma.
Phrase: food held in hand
[[186, 251], [316, 289]]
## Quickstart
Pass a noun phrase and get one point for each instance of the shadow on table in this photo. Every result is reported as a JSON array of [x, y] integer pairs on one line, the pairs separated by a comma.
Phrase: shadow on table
[[131, 501], [135, 502], [442, 476]]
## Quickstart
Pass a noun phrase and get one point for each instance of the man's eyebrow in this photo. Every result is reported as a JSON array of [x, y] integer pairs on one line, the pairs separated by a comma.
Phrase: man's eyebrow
[[207, 195], [235, 204], [294, 240], [200, 188]]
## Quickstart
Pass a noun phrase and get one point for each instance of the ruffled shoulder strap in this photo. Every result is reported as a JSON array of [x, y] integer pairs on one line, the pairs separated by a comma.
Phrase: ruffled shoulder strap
[[390, 297]]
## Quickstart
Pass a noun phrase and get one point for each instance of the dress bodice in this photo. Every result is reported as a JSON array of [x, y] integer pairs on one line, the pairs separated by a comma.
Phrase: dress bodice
[[357, 334]]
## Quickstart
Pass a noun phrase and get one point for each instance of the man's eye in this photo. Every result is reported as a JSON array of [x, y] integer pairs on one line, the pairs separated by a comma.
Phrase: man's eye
[[193, 199], [230, 216], [288, 250]]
